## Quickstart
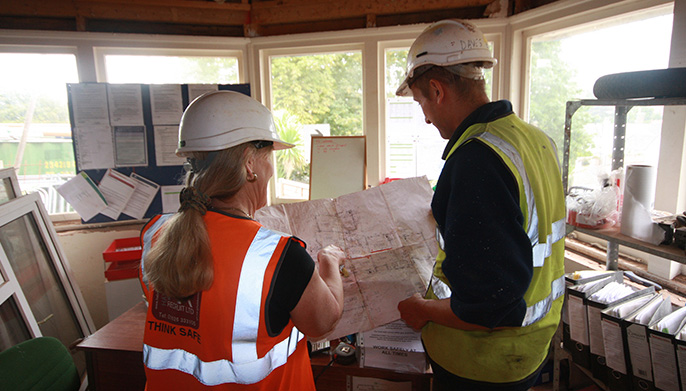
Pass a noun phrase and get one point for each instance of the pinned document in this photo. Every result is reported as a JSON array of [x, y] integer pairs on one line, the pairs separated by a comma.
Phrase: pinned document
[[117, 189], [83, 195]]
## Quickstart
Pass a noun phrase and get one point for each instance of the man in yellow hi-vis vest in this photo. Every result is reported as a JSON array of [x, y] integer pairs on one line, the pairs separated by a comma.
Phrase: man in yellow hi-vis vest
[[496, 293]]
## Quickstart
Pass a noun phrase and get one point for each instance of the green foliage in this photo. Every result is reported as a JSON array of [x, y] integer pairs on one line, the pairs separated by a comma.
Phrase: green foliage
[[14, 105], [290, 163], [551, 86], [320, 89], [395, 70]]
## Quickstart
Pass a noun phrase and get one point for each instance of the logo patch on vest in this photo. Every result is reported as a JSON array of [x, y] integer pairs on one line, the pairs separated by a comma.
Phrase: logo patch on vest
[[175, 312]]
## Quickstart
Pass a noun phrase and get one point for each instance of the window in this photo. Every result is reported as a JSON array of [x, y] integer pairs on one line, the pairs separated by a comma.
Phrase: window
[[313, 94], [39, 295], [565, 67], [168, 69], [35, 135], [413, 147]]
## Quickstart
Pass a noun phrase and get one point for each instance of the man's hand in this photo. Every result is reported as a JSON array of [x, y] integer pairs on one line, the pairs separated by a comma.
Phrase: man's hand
[[412, 311]]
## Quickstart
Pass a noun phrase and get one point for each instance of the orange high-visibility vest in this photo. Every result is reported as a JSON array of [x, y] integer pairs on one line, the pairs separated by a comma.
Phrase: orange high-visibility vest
[[219, 337]]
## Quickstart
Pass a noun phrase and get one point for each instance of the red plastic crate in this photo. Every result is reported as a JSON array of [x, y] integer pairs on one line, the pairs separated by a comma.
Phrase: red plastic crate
[[122, 270], [122, 250]]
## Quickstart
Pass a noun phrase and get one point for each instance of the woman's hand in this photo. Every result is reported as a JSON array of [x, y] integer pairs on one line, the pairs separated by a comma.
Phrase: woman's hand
[[321, 305]]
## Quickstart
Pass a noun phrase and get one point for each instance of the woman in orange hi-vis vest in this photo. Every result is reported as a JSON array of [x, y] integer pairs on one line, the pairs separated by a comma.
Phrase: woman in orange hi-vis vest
[[229, 301]]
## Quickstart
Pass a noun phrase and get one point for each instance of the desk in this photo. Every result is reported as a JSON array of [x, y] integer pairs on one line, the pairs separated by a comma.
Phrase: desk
[[114, 354], [114, 360], [335, 377]]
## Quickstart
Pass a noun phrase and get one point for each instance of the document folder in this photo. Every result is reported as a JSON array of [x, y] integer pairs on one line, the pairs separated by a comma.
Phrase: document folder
[[661, 336], [614, 328], [611, 294], [576, 300]]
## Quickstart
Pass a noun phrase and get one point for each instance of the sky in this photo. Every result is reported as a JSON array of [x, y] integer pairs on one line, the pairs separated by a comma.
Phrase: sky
[[636, 46]]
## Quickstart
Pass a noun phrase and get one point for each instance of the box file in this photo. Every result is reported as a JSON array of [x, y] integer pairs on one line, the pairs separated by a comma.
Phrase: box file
[[661, 337], [614, 328], [595, 305], [577, 294]]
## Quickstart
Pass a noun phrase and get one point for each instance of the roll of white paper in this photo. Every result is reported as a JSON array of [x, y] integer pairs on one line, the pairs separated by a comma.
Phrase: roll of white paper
[[639, 200]]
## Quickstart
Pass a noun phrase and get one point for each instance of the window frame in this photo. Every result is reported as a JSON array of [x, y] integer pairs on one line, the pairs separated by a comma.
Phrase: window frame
[[510, 36], [101, 52], [30, 205]]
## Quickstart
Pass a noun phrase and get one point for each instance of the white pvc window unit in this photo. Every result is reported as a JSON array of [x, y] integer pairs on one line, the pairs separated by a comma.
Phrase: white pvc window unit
[[38, 293]]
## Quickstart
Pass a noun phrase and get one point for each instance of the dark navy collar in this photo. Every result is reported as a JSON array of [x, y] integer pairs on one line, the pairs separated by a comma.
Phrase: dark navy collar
[[486, 113]]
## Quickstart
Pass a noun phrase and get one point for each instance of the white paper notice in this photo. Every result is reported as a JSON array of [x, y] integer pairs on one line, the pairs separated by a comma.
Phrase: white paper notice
[[82, 194], [195, 90], [170, 198], [393, 346], [89, 101], [373, 384], [614, 347], [142, 197], [126, 104], [578, 326], [94, 147], [166, 104], [117, 189], [130, 146], [166, 141]]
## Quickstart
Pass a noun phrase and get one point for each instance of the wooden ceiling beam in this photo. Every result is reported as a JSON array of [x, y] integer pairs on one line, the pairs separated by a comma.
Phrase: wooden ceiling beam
[[295, 11], [167, 11]]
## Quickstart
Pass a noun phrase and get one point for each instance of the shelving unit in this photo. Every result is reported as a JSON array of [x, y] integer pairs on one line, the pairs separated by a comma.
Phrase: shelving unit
[[613, 237]]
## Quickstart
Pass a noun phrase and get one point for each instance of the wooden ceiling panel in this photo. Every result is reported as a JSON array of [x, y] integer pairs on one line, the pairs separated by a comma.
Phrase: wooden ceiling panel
[[298, 11], [238, 17]]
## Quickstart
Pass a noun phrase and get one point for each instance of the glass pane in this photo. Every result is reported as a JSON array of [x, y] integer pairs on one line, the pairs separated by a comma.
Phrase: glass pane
[[13, 329], [35, 135], [171, 69], [566, 68], [413, 148], [318, 94], [6, 191], [31, 263]]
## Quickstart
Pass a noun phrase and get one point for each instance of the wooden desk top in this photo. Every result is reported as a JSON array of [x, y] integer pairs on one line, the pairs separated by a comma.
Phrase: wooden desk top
[[125, 333]]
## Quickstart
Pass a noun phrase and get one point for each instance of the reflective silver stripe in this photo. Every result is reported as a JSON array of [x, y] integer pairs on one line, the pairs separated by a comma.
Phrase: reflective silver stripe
[[541, 251], [539, 310], [439, 239], [247, 316], [147, 240], [440, 289], [222, 371], [513, 155]]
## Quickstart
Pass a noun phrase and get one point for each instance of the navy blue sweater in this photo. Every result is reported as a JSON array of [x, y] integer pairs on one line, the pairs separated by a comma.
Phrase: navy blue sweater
[[488, 253]]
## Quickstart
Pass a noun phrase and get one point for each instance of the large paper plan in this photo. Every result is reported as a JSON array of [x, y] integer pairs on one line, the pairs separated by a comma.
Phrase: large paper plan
[[388, 235]]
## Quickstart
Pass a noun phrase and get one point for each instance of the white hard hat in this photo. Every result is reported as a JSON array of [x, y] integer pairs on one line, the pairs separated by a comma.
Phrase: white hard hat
[[222, 119], [445, 43]]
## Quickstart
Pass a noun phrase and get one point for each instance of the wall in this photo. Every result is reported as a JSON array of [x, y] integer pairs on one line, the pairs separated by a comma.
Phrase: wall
[[83, 249]]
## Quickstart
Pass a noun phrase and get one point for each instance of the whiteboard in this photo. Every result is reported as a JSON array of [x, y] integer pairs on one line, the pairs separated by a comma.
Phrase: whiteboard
[[338, 166]]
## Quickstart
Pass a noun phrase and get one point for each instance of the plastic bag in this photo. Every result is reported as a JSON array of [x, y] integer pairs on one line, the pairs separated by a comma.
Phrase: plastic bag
[[596, 208]]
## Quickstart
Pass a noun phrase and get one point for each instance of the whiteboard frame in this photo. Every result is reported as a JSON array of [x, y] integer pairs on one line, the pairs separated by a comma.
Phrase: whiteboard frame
[[343, 172]]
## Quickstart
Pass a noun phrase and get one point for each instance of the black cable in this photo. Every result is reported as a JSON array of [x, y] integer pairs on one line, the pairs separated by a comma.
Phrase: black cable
[[323, 369]]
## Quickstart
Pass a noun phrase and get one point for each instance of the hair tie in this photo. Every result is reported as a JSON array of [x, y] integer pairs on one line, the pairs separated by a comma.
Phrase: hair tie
[[190, 197]]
